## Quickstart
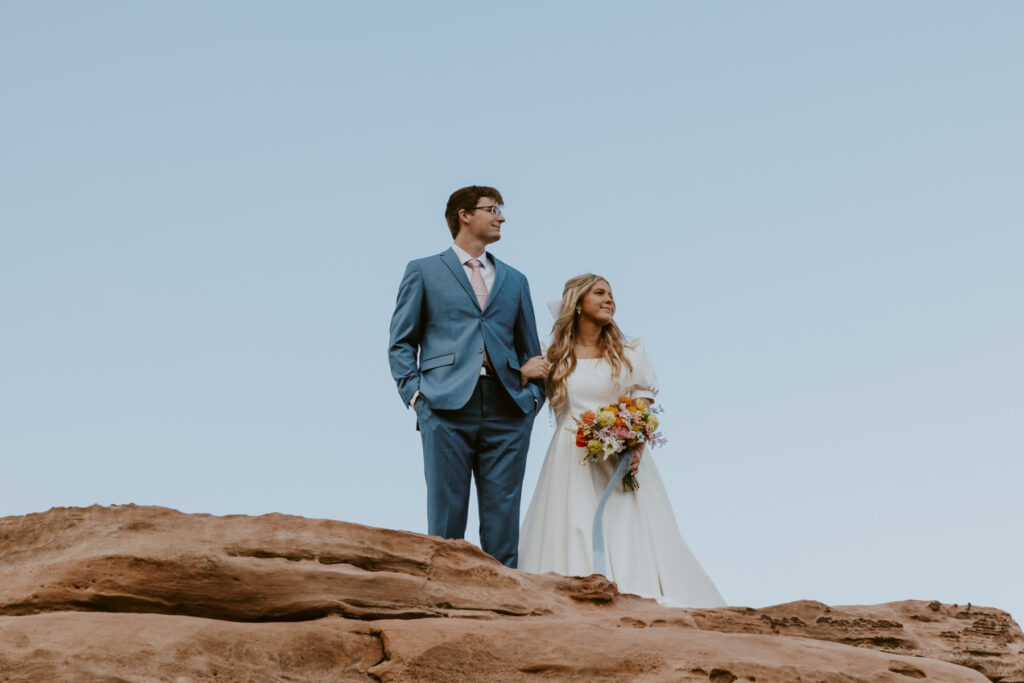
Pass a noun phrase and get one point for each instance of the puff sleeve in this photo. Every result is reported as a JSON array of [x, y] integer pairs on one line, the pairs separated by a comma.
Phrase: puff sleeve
[[643, 382]]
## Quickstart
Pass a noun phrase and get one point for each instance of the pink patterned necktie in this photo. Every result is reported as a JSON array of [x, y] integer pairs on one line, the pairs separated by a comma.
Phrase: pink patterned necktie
[[480, 289], [477, 280]]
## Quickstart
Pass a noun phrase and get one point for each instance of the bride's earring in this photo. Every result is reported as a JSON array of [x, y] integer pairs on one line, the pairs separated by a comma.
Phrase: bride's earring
[[579, 309]]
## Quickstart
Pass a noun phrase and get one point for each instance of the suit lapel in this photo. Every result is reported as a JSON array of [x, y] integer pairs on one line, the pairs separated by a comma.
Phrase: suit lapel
[[500, 269], [449, 258]]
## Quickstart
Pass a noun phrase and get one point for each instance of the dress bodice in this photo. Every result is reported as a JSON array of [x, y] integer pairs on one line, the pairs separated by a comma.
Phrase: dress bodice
[[592, 384]]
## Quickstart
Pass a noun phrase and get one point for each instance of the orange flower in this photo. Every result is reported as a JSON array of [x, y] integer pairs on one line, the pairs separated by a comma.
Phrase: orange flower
[[588, 417], [580, 439]]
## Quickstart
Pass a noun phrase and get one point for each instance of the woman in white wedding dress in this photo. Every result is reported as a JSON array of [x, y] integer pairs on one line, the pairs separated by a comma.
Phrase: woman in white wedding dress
[[592, 366]]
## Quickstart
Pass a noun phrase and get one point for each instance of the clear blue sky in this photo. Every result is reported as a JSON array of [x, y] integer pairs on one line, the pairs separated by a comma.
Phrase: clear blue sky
[[811, 212]]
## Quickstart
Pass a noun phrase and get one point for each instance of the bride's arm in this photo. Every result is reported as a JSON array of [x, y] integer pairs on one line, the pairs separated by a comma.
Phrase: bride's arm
[[535, 368], [642, 403]]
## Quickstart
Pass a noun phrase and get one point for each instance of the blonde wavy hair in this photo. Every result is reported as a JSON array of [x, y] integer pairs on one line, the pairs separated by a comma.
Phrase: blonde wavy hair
[[561, 355]]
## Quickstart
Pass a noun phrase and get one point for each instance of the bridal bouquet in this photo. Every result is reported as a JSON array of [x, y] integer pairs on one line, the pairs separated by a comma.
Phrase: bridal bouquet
[[617, 429]]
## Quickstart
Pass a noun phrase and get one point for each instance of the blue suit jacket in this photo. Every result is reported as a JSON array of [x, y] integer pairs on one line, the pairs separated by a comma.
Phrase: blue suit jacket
[[438, 333]]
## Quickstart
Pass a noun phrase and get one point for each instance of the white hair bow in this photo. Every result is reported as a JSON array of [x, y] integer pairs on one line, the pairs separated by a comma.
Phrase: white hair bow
[[555, 307]]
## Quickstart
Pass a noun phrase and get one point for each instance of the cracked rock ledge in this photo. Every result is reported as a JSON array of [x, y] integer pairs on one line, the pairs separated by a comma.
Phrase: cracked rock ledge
[[139, 594]]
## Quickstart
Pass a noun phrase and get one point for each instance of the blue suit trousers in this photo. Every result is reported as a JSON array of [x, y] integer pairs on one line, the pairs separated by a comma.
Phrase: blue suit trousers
[[487, 440]]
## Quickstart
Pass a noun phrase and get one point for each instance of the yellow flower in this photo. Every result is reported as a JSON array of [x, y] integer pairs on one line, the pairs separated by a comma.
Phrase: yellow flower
[[652, 420], [605, 418], [594, 446]]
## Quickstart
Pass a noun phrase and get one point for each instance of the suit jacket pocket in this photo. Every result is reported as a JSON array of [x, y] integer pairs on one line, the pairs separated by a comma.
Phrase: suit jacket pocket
[[436, 362]]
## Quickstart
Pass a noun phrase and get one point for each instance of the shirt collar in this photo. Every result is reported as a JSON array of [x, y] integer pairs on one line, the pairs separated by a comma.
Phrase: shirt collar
[[463, 256]]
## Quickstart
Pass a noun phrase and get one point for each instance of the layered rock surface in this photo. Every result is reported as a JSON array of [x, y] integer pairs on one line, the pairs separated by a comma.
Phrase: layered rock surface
[[129, 593]]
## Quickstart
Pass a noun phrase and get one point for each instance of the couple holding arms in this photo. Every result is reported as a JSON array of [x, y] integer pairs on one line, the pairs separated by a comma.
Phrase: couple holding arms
[[466, 357]]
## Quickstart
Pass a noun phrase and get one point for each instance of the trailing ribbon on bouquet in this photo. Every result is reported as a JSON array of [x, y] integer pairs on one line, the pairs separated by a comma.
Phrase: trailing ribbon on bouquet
[[625, 458]]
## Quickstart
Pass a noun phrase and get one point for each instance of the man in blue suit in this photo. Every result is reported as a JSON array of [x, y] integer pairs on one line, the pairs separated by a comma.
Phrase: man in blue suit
[[465, 355]]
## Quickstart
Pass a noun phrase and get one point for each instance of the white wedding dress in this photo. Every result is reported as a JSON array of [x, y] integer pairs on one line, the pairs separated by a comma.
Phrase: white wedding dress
[[645, 554]]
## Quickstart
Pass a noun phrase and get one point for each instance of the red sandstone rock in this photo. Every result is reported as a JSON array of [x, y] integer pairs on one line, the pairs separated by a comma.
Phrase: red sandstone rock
[[130, 593]]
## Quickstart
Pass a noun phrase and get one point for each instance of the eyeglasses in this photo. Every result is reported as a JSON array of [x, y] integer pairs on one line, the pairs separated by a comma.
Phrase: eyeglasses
[[493, 208]]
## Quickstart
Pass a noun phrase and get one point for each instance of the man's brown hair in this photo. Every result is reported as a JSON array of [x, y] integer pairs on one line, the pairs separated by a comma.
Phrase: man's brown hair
[[466, 198]]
